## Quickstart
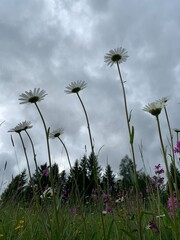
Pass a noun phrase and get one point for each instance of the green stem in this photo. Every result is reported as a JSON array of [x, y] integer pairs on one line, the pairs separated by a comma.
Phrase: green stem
[[166, 165], [88, 124], [133, 154], [172, 150], [46, 133], [39, 181], [93, 156], [25, 153], [50, 165]]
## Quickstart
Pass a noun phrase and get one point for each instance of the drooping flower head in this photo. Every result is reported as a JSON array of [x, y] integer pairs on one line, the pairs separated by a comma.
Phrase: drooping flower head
[[56, 133], [21, 127], [164, 100], [114, 56], [177, 130], [154, 108], [75, 87], [32, 96]]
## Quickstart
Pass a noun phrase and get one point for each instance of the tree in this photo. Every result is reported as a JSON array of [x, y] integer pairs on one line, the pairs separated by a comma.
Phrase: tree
[[126, 172], [15, 191], [109, 180], [93, 172]]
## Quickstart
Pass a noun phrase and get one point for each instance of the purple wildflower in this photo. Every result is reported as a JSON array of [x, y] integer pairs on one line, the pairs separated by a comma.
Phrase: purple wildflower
[[176, 205], [177, 147], [153, 226]]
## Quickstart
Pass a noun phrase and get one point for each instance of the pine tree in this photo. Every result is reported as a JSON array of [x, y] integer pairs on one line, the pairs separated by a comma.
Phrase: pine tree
[[15, 191], [109, 180]]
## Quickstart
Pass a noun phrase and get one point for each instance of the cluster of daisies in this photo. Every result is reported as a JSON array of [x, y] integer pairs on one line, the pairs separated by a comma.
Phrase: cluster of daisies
[[115, 56]]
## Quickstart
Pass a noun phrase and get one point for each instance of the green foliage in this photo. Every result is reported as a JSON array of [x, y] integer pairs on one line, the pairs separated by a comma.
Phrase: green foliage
[[15, 191]]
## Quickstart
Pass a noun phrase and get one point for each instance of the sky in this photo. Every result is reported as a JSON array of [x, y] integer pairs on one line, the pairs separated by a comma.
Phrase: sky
[[48, 44]]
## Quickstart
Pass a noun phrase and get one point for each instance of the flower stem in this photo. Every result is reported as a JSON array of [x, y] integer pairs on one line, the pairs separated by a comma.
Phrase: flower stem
[[173, 156], [25, 153], [50, 165], [88, 124], [133, 154], [166, 165]]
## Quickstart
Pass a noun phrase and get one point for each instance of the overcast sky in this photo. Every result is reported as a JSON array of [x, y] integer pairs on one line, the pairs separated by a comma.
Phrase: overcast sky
[[50, 43]]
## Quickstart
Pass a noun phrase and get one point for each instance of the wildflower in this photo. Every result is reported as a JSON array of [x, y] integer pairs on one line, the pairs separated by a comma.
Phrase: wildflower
[[164, 100], [32, 96], [108, 208], [154, 108], [21, 127], [73, 211], [104, 212], [153, 226], [56, 133], [159, 170], [121, 199], [160, 181], [105, 197], [75, 87], [161, 216], [177, 130], [177, 148], [148, 190], [117, 55], [176, 205], [48, 193], [46, 172], [140, 194]]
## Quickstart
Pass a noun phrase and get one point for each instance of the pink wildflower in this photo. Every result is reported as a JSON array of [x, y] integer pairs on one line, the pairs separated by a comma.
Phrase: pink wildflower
[[177, 148], [46, 172], [73, 211], [105, 197], [176, 205], [108, 208]]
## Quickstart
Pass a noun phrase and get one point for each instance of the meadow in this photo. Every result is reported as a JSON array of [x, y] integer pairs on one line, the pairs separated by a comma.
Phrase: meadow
[[88, 204]]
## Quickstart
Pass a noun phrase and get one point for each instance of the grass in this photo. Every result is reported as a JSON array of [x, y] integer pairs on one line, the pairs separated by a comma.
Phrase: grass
[[86, 222]]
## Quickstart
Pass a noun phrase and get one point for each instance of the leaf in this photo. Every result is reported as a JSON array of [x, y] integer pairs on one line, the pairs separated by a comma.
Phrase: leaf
[[12, 141], [109, 231], [129, 117], [132, 135], [5, 165], [127, 233]]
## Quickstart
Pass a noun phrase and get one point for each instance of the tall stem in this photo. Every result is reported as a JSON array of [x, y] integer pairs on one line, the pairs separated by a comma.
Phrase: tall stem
[[88, 124], [93, 156], [132, 152], [46, 133], [50, 165], [166, 165], [25, 153], [173, 156], [35, 161]]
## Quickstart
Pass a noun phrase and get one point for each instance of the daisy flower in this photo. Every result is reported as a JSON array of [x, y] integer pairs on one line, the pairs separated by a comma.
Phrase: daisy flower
[[117, 55], [177, 130], [164, 100], [75, 87], [21, 127], [154, 108], [32, 96], [56, 133]]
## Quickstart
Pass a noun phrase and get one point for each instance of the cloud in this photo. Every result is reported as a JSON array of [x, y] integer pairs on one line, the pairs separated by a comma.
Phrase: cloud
[[48, 44]]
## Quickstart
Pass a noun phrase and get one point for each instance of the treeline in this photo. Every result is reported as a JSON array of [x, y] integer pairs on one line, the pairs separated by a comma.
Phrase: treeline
[[82, 182]]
